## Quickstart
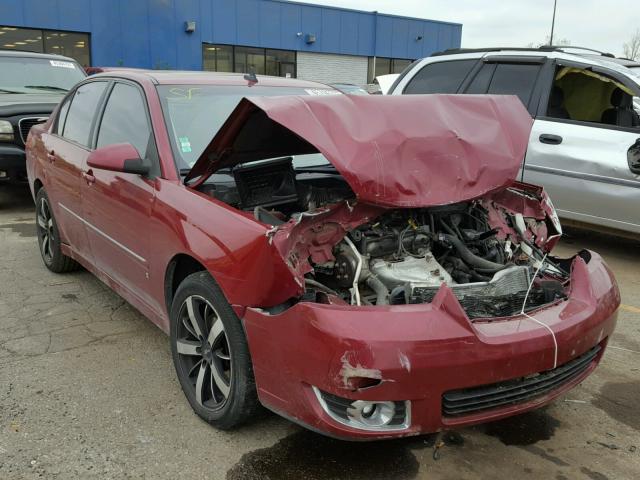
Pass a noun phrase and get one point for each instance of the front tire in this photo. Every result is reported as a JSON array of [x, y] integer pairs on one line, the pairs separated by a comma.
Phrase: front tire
[[211, 355], [49, 237]]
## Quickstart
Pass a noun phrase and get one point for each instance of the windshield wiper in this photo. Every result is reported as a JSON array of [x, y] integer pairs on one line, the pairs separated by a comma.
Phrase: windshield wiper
[[4, 90], [47, 87]]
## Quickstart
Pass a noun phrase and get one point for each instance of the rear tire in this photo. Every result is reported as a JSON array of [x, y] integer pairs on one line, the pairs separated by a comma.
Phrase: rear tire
[[49, 237], [211, 355]]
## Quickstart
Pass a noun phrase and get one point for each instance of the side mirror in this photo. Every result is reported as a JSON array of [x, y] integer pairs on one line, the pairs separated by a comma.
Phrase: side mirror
[[120, 157], [633, 157]]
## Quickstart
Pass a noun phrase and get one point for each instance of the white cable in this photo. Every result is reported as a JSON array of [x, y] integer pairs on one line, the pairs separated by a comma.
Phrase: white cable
[[553, 335], [535, 274], [355, 292]]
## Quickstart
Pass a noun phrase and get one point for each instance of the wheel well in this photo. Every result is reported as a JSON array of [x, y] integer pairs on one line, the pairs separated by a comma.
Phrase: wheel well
[[37, 185], [180, 267]]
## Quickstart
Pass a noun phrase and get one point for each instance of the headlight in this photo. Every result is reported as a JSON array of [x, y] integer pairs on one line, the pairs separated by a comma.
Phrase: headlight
[[6, 131]]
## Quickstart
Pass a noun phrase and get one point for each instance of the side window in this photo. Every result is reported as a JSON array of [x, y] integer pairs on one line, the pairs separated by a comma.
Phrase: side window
[[125, 120], [585, 95], [440, 77], [480, 84], [77, 126], [514, 79], [62, 115]]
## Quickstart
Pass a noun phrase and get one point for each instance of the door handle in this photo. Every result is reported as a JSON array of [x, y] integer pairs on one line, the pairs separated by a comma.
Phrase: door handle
[[51, 156], [550, 139], [88, 177]]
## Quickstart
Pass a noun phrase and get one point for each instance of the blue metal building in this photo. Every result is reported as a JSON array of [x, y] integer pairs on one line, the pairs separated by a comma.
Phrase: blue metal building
[[192, 34]]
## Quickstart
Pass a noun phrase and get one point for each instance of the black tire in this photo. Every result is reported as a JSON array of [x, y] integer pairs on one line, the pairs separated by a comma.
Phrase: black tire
[[211, 356], [49, 237]]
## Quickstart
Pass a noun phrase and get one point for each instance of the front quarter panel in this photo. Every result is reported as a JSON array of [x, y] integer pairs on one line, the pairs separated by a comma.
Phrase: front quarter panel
[[232, 246]]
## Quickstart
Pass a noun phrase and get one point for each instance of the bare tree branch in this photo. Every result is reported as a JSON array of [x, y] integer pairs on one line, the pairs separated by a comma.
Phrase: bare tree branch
[[559, 42], [631, 49]]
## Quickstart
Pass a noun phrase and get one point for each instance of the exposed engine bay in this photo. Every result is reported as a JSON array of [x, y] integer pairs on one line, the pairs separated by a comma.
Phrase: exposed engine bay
[[406, 255], [490, 255]]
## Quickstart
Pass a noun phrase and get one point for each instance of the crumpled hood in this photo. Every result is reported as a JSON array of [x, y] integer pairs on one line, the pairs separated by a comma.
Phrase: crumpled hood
[[395, 151]]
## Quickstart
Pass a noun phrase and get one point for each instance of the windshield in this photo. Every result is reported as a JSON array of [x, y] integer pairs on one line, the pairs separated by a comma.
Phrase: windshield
[[38, 75], [195, 113]]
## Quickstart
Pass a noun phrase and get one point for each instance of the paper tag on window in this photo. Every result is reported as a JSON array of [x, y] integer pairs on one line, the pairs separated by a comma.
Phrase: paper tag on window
[[321, 91], [58, 63], [185, 144]]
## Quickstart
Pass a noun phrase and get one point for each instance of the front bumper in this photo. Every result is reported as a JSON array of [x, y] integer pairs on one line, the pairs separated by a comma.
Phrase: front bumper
[[419, 352], [12, 162]]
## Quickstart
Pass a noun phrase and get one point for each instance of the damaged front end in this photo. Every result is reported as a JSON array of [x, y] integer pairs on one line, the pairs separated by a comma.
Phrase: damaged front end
[[492, 257], [421, 269]]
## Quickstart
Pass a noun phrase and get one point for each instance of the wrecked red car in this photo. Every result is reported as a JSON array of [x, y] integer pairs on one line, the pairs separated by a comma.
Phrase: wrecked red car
[[366, 266]]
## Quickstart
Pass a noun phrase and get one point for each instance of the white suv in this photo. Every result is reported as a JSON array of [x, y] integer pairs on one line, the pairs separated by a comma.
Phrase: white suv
[[585, 142]]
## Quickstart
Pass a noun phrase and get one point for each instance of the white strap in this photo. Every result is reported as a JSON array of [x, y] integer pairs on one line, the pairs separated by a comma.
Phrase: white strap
[[522, 312]]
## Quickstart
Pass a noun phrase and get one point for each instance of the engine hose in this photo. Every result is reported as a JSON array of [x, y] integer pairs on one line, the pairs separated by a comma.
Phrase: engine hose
[[470, 258], [479, 278], [319, 286], [381, 291]]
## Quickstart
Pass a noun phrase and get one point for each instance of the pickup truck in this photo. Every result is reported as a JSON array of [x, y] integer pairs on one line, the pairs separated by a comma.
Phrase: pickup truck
[[31, 85]]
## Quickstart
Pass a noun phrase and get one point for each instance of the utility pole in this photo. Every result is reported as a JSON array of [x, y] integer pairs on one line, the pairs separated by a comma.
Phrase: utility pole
[[553, 22]]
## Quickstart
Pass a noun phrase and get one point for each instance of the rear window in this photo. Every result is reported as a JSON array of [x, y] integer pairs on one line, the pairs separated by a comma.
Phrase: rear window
[[440, 77]]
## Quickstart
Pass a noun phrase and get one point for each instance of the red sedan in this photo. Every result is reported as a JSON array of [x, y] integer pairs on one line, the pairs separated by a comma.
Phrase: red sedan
[[366, 266]]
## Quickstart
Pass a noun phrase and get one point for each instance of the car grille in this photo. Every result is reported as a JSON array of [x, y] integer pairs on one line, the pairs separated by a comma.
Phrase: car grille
[[471, 400], [25, 124]]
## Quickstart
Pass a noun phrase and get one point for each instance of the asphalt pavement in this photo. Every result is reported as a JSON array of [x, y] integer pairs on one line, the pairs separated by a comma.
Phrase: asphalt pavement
[[88, 390]]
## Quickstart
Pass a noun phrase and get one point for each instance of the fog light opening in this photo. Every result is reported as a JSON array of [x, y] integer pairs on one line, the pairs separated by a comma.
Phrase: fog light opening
[[371, 414], [366, 414]]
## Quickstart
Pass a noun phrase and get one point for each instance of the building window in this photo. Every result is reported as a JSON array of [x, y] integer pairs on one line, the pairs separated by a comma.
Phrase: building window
[[385, 66], [228, 58], [217, 58], [249, 59], [69, 44], [281, 63]]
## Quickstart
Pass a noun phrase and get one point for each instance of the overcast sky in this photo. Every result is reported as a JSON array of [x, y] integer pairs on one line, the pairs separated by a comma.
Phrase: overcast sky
[[599, 24]]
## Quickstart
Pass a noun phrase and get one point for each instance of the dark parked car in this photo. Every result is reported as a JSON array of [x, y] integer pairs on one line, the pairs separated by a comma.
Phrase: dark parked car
[[31, 85], [366, 266]]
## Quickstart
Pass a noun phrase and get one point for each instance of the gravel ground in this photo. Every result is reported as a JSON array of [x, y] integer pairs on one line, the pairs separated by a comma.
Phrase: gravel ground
[[87, 390]]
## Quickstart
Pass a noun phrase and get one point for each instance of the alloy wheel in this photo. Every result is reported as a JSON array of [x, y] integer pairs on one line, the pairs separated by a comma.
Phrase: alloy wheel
[[203, 352], [46, 233]]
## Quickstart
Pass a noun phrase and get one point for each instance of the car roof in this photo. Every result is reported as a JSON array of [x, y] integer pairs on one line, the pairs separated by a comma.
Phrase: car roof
[[620, 61], [25, 54], [177, 77], [582, 55]]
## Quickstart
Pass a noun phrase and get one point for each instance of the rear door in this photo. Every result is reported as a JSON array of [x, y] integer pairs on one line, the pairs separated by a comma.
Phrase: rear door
[[590, 168], [67, 150], [118, 205]]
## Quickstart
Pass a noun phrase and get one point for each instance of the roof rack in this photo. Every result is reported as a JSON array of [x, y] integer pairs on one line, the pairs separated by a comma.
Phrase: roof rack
[[543, 48]]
